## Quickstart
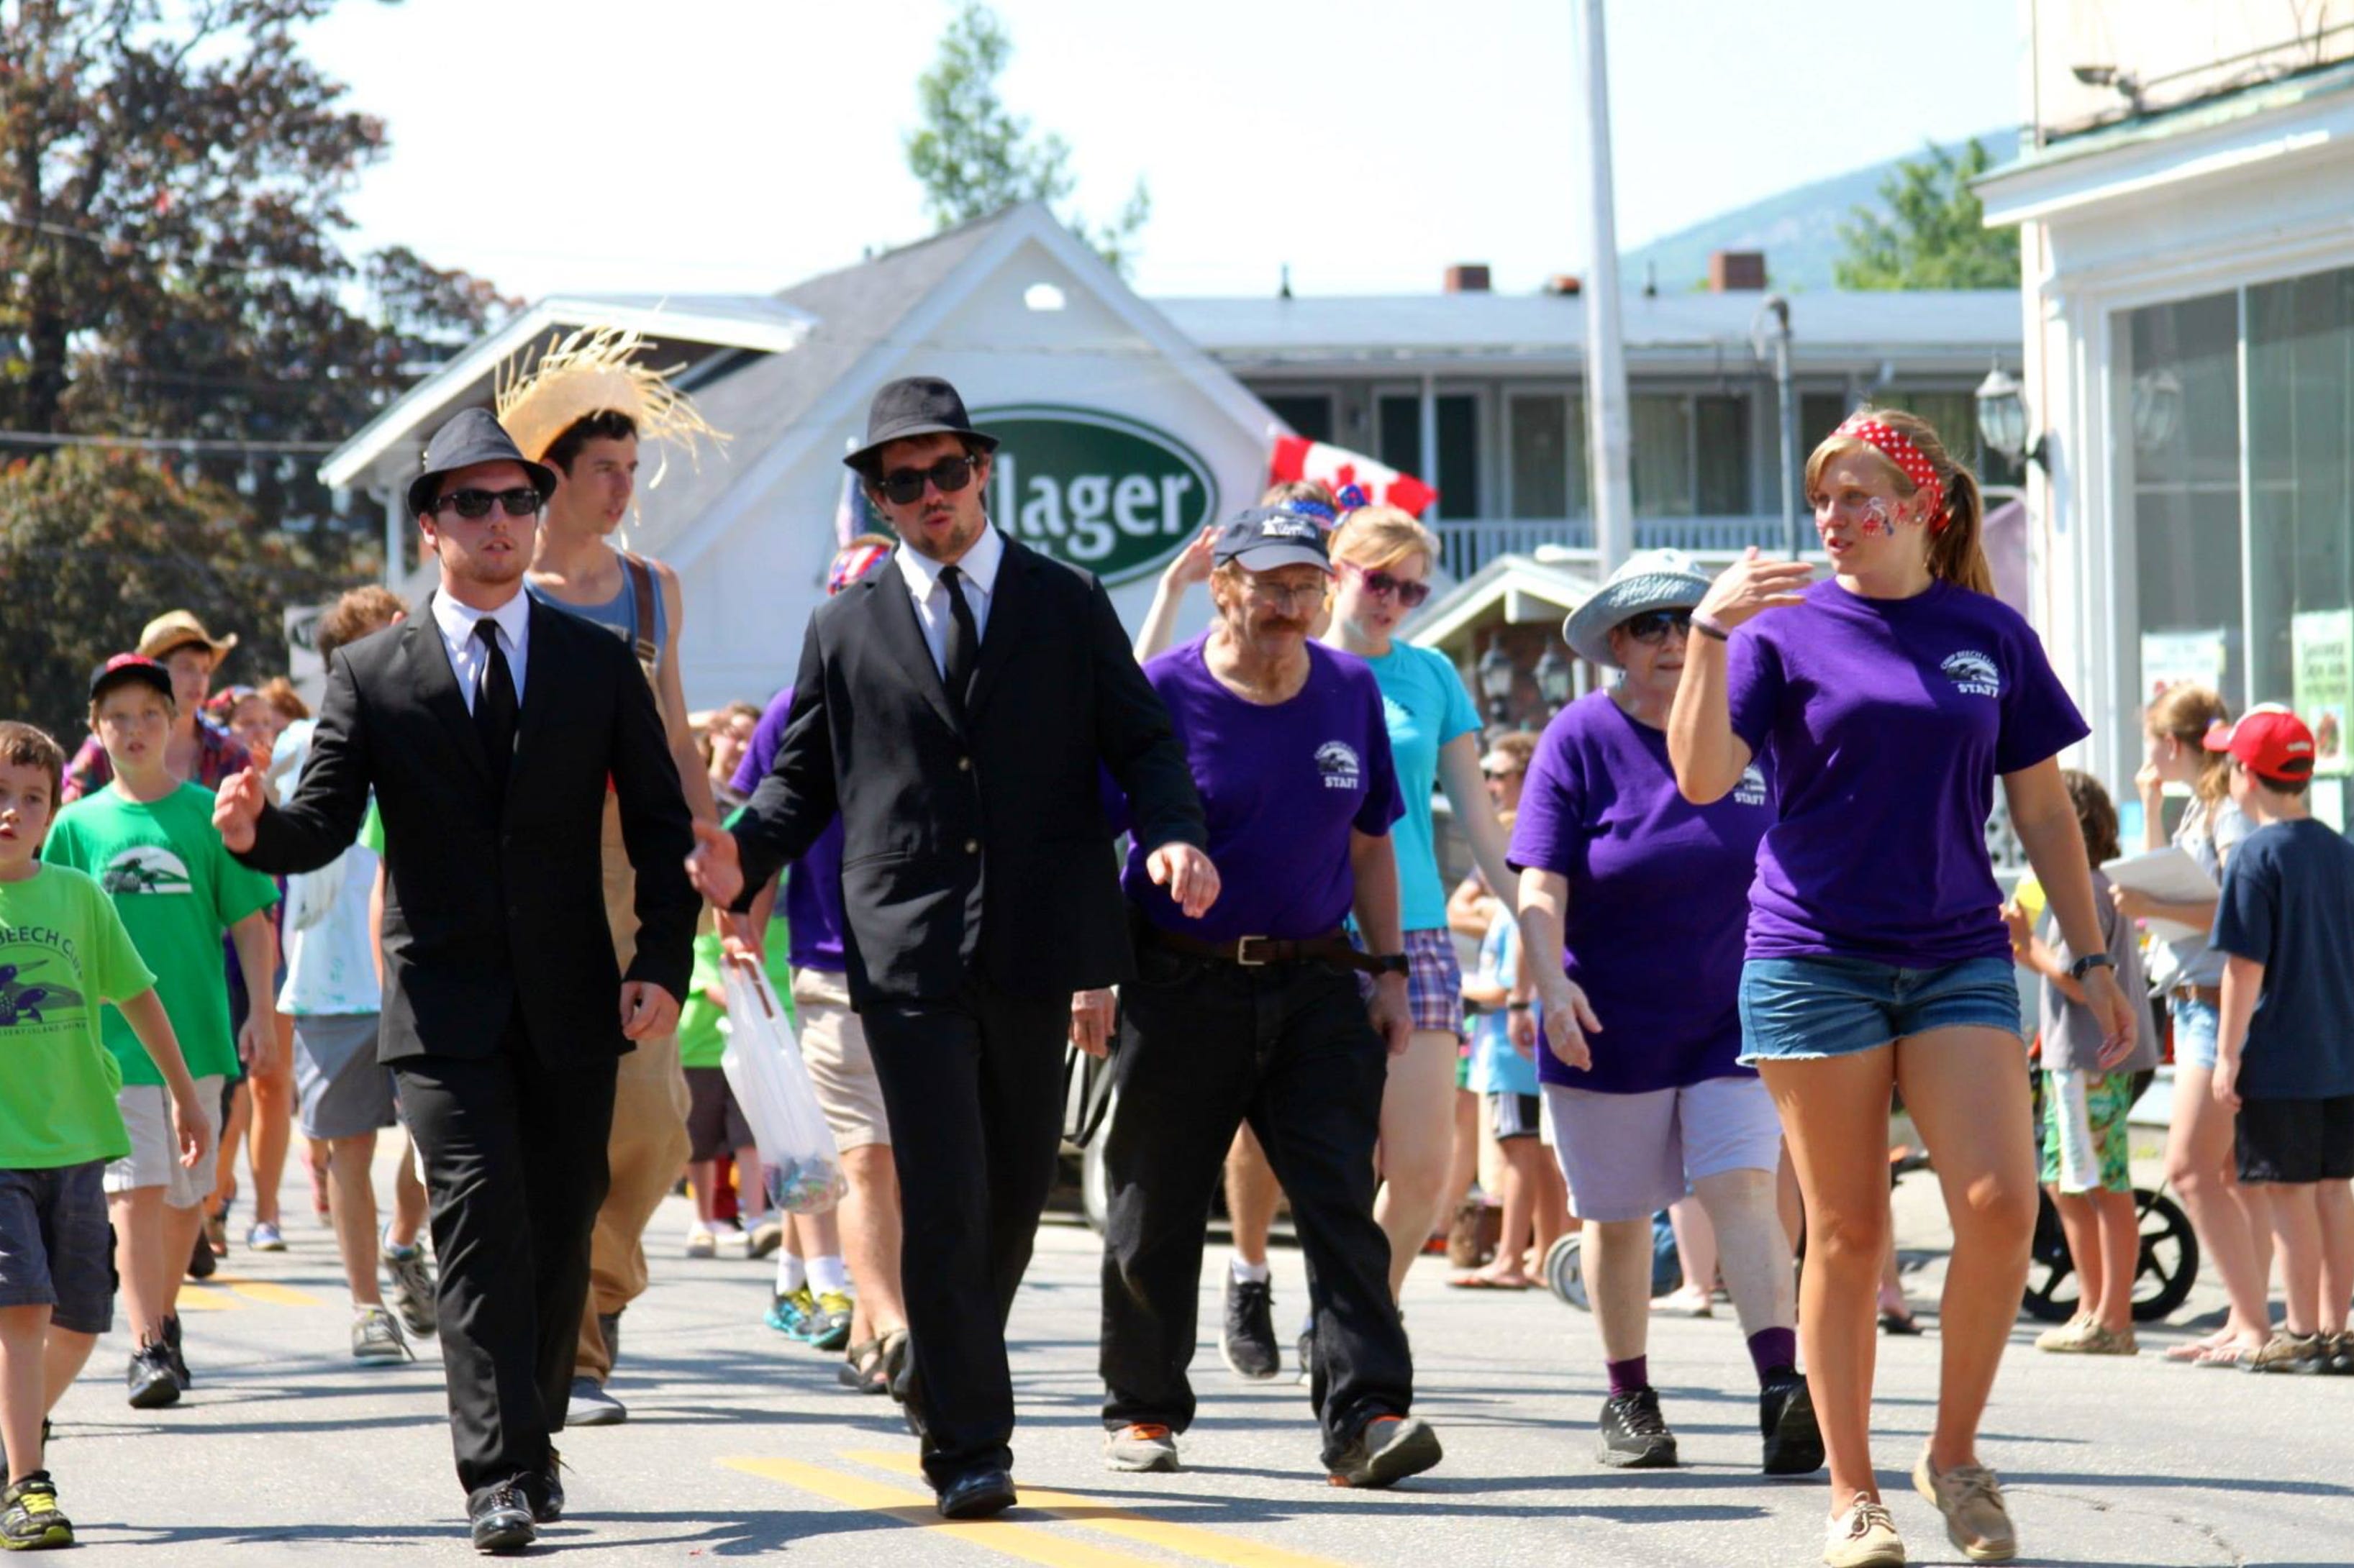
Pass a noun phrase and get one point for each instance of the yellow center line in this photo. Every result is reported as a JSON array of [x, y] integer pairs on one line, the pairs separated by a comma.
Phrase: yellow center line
[[1003, 1536], [1116, 1518], [267, 1294], [204, 1298]]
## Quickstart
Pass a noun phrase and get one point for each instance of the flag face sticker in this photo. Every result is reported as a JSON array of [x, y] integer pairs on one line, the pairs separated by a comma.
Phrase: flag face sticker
[[148, 868]]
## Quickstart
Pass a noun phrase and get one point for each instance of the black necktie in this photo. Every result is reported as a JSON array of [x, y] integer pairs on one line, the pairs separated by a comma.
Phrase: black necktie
[[963, 640], [494, 702]]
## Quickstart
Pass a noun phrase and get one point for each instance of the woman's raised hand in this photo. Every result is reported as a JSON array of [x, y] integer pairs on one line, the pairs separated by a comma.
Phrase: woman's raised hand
[[1751, 584]]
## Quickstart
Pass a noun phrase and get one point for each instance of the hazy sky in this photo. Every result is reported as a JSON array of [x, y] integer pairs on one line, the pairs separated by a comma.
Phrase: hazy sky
[[744, 145]]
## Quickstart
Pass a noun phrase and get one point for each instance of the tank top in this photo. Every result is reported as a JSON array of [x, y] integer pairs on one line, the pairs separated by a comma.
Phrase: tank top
[[618, 614]]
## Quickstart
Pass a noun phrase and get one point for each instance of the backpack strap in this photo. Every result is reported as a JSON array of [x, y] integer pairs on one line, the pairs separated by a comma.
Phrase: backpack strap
[[642, 589]]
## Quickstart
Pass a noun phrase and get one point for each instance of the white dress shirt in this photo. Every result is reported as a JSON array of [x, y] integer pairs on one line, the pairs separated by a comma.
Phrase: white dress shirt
[[978, 571], [467, 654]]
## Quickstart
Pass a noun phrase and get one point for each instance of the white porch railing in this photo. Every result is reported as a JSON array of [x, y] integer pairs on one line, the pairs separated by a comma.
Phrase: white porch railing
[[1469, 543]]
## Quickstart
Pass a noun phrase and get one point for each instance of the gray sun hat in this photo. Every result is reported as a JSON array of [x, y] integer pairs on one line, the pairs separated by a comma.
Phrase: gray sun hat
[[1649, 579]]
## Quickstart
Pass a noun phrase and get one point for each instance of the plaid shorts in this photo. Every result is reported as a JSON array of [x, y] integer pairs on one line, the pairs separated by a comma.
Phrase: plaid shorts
[[1434, 986]]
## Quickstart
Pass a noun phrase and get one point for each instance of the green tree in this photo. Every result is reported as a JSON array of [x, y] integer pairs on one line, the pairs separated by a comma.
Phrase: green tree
[[1932, 234], [973, 156]]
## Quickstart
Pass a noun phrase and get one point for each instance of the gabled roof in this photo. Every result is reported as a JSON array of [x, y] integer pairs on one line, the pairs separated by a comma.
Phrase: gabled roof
[[1515, 581]]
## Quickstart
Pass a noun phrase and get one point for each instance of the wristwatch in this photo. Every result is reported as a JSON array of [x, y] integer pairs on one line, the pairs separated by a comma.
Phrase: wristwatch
[[2090, 962], [1390, 964]]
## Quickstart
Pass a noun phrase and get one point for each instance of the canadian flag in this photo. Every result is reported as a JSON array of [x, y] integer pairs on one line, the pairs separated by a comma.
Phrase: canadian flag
[[1298, 458]]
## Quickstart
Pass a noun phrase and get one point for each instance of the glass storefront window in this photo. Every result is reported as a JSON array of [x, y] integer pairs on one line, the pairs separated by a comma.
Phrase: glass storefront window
[[2181, 409]]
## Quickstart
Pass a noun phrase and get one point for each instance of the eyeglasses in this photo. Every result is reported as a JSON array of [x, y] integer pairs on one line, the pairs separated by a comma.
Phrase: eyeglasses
[[1653, 625], [904, 486], [521, 502], [1270, 591], [1498, 775], [1381, 585]]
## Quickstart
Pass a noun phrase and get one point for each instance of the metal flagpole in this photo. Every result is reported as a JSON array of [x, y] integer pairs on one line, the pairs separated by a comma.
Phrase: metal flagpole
[[1607, 440]]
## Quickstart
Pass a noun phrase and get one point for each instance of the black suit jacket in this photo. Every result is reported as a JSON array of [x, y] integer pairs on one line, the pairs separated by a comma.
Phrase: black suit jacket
[[493, 906], [975, 839]]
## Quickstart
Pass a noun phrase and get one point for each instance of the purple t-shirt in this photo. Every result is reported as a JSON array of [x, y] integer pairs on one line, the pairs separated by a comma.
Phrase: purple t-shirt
[[1885, 724], [1656, 904], [813, 883], [1281, 787]]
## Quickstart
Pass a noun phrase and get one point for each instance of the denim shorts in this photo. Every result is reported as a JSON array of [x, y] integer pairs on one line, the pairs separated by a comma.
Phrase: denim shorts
[[2196, 1025], [1808, 1008]]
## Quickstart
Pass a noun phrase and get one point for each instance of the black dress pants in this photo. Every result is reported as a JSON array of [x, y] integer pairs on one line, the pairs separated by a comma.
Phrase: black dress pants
[[1204, 1045], [515, 1162], [974, 1088]]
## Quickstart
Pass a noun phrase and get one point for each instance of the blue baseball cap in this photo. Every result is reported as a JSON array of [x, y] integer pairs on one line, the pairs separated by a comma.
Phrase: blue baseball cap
[[1266, 537]]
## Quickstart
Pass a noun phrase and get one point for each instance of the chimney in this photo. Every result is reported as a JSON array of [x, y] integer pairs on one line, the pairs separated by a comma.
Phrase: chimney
[[1468, 278], [1564, 283], [1736, 271]]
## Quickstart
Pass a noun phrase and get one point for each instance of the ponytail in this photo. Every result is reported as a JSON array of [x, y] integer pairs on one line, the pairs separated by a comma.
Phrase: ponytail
[[2186, 713]]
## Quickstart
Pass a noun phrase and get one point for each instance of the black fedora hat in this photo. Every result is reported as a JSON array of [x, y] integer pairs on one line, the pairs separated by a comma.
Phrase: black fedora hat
[[915, 405], [472, 436]]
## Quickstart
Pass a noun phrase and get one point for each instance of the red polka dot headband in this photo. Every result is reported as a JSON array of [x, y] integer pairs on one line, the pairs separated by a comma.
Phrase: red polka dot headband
[[1898, 449]]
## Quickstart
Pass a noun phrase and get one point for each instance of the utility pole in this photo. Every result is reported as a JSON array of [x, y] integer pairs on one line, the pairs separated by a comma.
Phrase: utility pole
[[1607, 440], [1779, 309]]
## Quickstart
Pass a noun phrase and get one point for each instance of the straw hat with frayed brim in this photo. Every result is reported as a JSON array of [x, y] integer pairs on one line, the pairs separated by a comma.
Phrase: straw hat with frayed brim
[[179, 629], [1655, 579]]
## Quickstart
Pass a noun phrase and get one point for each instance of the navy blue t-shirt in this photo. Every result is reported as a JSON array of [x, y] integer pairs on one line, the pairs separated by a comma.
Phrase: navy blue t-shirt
[[2288, 905]]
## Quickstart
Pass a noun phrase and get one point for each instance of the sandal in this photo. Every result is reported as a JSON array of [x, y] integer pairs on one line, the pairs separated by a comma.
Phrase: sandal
[[1899, 1323], [863, 1370]]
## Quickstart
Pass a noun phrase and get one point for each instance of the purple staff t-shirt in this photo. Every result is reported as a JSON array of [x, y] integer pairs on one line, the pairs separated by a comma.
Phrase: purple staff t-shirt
[[1656, 904], [1884, 724], [1282, 785], [813, 883]]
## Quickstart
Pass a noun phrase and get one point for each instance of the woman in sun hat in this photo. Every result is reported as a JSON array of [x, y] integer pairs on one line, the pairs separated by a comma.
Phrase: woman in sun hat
[[1637, 897]]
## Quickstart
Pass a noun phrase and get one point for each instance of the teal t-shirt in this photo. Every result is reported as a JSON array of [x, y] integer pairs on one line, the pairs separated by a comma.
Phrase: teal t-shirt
[[63, 955], [178, 892], [1424, 700]]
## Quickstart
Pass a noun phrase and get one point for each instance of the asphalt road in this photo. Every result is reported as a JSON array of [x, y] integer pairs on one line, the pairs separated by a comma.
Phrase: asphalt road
[[740, 1443]]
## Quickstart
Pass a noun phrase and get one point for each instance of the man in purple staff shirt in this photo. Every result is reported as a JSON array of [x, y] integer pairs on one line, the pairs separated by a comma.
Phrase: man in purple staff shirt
[[1252, 1012]]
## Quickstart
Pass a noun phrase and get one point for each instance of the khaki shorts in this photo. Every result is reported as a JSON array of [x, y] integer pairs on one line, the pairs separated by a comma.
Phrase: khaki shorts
[[833, 1044], [155, 1160]]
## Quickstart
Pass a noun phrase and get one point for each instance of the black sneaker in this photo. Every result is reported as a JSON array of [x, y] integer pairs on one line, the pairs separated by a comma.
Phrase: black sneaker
[[172, 1347], [151, 1381], [1385, 1451], [1634, 1436], [1249, 1341], [31, 1521], [1786, 1415]]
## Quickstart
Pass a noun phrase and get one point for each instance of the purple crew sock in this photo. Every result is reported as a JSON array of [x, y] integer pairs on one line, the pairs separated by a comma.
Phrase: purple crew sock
[[1630, 1376], [1771, 1350]]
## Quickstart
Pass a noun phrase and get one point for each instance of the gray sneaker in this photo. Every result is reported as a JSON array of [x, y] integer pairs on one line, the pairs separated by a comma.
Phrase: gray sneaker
[[1141, 1447], [376, 1337], [592, 1406], [408, 1286]]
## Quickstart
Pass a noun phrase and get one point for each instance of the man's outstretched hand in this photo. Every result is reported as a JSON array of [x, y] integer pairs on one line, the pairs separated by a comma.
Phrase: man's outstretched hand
[[237, 807], [715, 868]]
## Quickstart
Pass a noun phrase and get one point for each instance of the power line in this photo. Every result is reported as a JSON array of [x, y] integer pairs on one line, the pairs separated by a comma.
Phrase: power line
[[157, 443]]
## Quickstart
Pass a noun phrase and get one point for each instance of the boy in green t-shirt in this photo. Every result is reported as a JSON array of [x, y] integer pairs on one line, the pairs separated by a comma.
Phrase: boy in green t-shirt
[[63, 953], [150, 841]]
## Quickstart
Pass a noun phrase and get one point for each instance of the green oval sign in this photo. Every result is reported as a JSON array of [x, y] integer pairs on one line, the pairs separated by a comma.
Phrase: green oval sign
[[1098, 490]]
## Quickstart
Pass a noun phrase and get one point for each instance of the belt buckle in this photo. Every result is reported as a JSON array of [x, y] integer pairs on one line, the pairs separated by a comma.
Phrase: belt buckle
[[1242, 952]]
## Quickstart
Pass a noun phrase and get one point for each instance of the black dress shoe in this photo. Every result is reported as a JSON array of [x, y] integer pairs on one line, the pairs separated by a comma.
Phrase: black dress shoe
[[502, 1521], [547, 1491], [977, 1494]]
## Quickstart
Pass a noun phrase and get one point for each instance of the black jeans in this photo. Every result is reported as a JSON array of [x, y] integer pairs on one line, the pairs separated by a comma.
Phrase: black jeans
[[1204, 1045], [974, 1090], [515, 1162]]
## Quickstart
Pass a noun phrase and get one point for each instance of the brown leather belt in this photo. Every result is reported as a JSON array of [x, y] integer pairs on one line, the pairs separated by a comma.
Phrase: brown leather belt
[[2213, 995], [1257, 952]]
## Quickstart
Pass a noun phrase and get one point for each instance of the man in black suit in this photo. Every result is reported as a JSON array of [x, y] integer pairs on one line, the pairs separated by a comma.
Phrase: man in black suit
[[487, 729], [958, 707]]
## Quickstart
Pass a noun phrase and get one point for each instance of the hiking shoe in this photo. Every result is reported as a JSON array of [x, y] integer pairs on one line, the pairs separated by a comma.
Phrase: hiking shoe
[[408, 1286], [172, 1350], [788, 1314], [2340, 1360], [2287, 1352], [1385, 1451], [1785, 1415], [590, 1405], [1863, 1537], [765, 1237], [1971, 1500], [376, 1337], [1634, 1434], [829, 1326], [1250, 1340], [1140, 1447], [31, 1521], [263, 1236], [151, 1381], [700, 1242]]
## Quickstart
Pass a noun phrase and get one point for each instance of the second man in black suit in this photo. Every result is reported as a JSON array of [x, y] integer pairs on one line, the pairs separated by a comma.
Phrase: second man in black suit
[[958, 707]]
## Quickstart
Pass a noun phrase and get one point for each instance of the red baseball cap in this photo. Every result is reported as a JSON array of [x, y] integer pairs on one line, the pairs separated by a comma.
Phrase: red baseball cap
[[129, 668], [2269, 741]]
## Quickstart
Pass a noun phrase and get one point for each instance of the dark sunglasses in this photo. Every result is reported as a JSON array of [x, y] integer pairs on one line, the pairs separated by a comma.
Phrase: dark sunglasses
[[904, 486], [1653, 625], [1381, 585], [520, 502]]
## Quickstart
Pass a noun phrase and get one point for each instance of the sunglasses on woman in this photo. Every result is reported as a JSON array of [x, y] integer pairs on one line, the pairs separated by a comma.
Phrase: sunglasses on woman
[[521, 502], [904, 486], [1381, 585], [1653, 625]]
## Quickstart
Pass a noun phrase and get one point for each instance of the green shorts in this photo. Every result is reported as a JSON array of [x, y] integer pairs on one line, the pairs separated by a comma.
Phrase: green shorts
[[2110, 1097]]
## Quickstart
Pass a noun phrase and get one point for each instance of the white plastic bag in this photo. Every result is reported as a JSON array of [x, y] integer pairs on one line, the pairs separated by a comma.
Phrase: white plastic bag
[[800, 1165]]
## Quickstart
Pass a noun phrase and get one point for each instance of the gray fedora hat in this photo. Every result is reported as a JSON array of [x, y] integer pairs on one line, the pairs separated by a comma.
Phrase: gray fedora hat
[[1650, 579], [915, 405], [474, 436]]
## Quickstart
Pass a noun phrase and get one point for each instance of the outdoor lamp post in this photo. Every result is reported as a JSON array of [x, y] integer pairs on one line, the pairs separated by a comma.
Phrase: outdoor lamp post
[[2003, 418], [1555, 678], [1496, 680]]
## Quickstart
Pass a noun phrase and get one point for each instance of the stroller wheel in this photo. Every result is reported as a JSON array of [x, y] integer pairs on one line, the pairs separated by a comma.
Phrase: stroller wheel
[[1564, 1274]]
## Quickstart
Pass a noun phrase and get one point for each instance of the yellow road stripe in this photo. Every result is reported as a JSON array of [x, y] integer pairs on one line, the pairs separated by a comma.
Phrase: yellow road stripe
[[1113, 1519], [267, 1294], [1009, 1539], [204, 1298]]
